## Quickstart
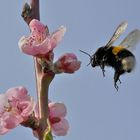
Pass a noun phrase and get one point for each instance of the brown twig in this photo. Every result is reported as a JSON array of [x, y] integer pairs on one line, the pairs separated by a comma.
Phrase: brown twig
[[31, 122], [42, 79], [35, 9], [31, 11]]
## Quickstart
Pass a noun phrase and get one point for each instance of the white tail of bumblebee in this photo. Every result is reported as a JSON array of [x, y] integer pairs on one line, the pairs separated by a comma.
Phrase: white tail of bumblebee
[[128, 63]]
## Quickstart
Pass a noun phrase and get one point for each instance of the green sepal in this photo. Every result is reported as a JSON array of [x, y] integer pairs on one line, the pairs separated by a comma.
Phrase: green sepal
[[48, 133], [48, 136]]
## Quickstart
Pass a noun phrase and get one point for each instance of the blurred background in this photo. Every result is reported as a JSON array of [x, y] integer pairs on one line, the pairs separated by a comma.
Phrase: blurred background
[[95, 109]]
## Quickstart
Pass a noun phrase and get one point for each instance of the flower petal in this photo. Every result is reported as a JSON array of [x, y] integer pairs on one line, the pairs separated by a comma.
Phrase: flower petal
[[27, 107], [57, 110], [16, 93], [11, 120], [37, 25], [57, 36], [43, 48], [61, 128], [3, 103], [27, 46], [3, 130]]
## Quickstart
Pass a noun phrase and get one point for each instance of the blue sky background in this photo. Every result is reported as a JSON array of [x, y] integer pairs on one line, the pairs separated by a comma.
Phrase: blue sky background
[[95, 110]]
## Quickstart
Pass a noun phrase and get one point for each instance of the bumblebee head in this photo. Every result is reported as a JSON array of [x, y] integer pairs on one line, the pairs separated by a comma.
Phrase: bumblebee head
[[97, 57], [94, 60]]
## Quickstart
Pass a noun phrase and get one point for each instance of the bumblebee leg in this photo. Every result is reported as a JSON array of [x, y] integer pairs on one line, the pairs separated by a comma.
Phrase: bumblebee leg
[[116, 78], [103, 71], [119, 81], [102, 66], [116, 86]]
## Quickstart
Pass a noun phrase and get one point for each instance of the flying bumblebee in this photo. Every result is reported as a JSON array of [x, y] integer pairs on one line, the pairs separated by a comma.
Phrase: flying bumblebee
[[118, 57]]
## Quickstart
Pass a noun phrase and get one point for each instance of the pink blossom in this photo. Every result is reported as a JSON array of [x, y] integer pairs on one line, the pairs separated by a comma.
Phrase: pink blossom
[[57, 114], [15, 107], [67, 63], [57, 119], [40, 42]]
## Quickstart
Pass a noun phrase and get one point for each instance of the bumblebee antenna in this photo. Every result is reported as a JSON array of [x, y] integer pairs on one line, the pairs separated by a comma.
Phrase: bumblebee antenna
[[88, 55], [88, 64], [85, 53]]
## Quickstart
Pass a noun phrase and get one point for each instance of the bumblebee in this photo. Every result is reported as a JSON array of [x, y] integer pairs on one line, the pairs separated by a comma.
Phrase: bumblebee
[[118, 57]]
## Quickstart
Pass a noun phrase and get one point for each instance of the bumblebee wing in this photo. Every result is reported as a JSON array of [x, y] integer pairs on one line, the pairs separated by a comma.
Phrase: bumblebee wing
[[120, 29], [131, 40]]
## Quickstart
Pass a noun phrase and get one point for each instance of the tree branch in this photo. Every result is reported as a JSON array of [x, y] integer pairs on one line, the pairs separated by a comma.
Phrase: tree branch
[[42, 79], [35, 9], [31, 11]]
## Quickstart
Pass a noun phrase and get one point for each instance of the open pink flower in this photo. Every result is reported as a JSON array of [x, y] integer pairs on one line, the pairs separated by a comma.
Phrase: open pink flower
[[40, 42], [67, 63], [15, 107], [57, 119]]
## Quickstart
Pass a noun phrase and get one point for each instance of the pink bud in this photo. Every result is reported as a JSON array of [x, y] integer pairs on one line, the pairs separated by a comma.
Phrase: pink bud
[[61, 128], [57, 115], [67, 63]]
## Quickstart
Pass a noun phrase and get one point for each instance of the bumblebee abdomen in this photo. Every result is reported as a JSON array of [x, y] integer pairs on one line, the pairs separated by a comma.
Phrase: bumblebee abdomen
[[128, 63], [127, 60]]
